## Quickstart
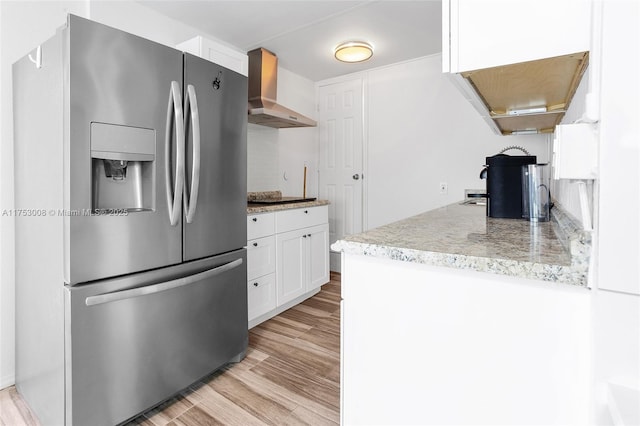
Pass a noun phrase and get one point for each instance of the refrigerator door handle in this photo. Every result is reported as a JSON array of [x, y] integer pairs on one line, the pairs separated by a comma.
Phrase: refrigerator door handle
[[164, 286], [174, 110], [191, 198]]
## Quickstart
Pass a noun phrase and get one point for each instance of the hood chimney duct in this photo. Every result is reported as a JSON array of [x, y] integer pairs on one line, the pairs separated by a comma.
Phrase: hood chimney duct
[[263, 89]]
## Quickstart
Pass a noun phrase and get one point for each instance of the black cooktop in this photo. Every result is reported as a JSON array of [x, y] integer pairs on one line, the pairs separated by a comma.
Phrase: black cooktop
[[282, 200]]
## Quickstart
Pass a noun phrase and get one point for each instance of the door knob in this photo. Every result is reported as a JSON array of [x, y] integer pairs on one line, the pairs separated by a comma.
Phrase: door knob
[[356, 176]]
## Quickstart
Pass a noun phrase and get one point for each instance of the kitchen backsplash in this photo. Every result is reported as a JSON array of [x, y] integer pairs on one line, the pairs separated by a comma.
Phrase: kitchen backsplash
[[273, 154], [565, 191], [262, 159]]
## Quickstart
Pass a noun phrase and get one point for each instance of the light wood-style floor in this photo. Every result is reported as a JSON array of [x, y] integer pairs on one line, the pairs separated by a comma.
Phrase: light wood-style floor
[[290, 376]]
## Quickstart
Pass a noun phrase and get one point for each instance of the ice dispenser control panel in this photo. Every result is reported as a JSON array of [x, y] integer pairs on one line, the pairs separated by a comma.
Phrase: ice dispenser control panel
[[122, 167]]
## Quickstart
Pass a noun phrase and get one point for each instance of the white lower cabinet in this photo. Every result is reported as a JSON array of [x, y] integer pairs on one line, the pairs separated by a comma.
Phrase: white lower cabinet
[[261, 264], [509, 350], [302, 261], [287, 259], [291, 271], [318, 256], [261, 257], [261, 295]]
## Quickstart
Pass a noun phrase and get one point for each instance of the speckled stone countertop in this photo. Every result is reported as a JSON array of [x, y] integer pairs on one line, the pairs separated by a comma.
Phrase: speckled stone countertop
[[254, 208], [461, 236]]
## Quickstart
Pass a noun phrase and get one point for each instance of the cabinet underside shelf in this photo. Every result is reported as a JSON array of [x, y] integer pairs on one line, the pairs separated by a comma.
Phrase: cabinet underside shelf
[[548, 83]]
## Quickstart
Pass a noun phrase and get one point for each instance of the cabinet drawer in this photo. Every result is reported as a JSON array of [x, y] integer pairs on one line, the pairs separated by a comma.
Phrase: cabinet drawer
[[261, 256], [261, 295], [289, 220], [260, 225]]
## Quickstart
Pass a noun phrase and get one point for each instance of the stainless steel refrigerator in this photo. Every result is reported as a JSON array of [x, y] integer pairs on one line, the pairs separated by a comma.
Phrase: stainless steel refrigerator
[[130, 195]]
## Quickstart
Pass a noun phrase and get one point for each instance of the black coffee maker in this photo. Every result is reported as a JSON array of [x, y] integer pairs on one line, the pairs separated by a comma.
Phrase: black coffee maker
[[504, 183]]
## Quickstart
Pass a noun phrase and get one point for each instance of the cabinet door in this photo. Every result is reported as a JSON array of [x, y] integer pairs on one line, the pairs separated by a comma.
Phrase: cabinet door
[[217, 53], [261, 295], [318, 260], [261, 257], [289, 220], [490, 33], [291, 271], [261, 225], [220, 54]]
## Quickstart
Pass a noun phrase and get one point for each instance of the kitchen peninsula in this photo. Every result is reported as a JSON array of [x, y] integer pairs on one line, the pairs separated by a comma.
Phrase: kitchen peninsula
[[453, 317]]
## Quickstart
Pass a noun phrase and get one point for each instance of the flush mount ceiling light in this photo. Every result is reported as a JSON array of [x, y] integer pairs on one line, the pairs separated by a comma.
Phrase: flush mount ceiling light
[[353, 51]]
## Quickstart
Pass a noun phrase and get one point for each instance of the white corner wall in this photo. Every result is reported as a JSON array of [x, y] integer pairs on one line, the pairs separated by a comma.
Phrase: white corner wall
[[421, 132]]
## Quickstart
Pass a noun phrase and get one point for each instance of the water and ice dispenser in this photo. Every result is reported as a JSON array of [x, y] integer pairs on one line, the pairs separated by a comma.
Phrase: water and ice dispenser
[[122, 168]]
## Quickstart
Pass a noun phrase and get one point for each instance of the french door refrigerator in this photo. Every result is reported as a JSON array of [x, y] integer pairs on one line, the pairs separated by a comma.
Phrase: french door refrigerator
[[130, 195]]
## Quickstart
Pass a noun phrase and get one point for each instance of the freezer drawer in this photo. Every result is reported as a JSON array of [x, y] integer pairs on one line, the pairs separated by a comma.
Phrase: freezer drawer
[[135, 341]]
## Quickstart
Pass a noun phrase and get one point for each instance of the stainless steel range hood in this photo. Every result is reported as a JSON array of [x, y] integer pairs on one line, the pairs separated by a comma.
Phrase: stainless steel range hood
[[263, 88]]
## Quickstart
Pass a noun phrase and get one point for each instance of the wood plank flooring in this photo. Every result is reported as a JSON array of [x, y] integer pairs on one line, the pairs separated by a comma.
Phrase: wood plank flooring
[[290, 376]]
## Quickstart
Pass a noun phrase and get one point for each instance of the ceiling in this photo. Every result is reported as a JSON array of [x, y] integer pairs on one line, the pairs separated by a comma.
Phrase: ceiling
[[303, 33]]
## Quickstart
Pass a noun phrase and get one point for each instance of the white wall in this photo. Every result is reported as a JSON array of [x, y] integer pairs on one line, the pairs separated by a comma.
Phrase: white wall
[[277, 157], [421, 131], [263, 162], [136, 19], [298, 148], [23, 25]]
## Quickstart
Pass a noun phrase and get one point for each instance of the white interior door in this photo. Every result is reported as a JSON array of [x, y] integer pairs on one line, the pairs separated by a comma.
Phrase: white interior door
[[340, 121]]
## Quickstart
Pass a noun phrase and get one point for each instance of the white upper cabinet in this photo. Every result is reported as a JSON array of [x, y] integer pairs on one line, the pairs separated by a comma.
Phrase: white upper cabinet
[[481, 34], [519, 62], [217, 53]]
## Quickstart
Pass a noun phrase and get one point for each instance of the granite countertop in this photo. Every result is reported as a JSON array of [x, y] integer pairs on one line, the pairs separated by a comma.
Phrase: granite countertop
[[254, 208], [463, 237]]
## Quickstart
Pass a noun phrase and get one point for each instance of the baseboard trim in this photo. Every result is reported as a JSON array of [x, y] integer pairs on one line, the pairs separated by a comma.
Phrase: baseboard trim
[[7, 380], [282, 308]]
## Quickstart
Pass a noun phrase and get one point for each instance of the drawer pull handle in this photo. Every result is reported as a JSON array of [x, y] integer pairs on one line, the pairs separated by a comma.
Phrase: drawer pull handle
[[304, 236], [309, 235], [255, 219], [255, 284], [255, 244], [306, 211], [163, 286]]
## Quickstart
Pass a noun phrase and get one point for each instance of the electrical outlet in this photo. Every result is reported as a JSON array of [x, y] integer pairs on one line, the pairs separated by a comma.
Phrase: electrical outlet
[[444, 188]]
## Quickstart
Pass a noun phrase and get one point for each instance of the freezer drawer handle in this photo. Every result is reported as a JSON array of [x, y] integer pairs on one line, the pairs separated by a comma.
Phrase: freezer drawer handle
[[191, 198], [157, 288], [174, 108]]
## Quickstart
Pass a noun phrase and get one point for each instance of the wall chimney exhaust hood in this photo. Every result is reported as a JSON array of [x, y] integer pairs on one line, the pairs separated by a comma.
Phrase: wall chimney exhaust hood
[[263, 88]]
